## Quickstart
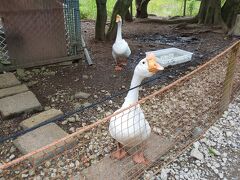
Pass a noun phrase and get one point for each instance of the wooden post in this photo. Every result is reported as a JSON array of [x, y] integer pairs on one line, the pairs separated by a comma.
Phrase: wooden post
[[228, 82]]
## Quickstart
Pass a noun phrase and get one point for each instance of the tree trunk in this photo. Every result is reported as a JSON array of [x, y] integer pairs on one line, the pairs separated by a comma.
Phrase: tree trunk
[[101, 20], [184, 7], [210, 12], [128, 16], [229, 11], [121, 8], [141, 8]]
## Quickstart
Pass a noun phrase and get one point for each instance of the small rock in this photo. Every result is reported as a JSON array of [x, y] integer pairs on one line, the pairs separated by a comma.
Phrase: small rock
[[72, 129], [82, 95], [12, 149], [37, 178], [85, 77], [71, 165], [47, 108], [197, 154], [224, 160], [72, 119], [36, 71], [196, 145], [12, 157], [99, 109], [47, 164], [221, 175], [31, 172], [0, 169], [228, 133], [215, 170], [197, 131], [157, 130], [164, 174], [53, 175], [108, 113], [24, 175], [21, 73], [86, 104], [77, 163], [224, 155], [64, 122]]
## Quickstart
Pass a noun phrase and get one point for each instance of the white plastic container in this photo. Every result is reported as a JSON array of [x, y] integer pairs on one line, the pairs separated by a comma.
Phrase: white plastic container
[[172, 56]]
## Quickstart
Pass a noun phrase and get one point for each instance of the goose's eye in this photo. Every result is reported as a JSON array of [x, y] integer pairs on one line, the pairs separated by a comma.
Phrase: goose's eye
[[143, 62]]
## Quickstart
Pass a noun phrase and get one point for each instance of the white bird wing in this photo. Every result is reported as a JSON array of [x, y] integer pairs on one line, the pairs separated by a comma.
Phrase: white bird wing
[[130, 126], [121, 48]]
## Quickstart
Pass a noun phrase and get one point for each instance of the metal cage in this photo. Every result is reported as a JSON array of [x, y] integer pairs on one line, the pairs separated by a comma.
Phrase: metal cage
[[39, 32]]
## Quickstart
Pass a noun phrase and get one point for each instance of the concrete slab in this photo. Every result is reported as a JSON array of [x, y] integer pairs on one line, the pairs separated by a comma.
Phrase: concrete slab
[[39, 118], [41, 137], [108, 168], [13, 90], [19, 103], [8, 80]]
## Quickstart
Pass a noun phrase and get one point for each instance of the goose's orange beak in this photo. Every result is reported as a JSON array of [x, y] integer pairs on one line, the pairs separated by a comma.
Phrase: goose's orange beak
[[118, 18], [153, 66]]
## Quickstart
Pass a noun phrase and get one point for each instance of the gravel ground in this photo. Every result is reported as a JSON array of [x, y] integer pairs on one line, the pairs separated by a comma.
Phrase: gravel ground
[[215, 156], [195, 101]]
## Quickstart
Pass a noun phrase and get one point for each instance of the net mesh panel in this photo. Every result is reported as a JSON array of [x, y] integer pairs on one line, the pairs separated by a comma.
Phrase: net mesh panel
[[3, 44], [72, 24], [174, 113]]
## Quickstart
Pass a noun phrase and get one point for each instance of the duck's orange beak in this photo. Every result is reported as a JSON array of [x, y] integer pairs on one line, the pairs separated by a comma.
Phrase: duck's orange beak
[[153, 66], [118, 18]]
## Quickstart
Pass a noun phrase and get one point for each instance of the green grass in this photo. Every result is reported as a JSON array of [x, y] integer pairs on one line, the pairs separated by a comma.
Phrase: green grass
[[157, 7]]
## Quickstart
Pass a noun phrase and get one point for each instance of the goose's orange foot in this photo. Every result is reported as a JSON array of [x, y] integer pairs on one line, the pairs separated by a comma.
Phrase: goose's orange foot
[[140, 159], [118, 68], [119, 154]]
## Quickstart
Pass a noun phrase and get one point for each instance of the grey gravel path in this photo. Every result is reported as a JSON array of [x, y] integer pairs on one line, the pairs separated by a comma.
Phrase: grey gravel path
[[215, 156]]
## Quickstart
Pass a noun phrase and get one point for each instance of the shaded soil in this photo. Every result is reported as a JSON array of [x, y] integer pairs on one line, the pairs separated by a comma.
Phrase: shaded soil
[[56, 85]]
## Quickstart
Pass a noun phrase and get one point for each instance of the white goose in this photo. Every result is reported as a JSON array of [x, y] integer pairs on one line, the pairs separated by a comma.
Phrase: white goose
[[130, 127], [120, 48]]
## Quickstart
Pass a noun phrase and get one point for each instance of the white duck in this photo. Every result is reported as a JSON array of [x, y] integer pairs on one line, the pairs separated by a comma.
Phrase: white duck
[[120, 47], [130, 128]]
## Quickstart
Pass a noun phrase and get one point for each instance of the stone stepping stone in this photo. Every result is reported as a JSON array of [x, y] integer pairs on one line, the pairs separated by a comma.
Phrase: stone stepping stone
[[155, 147], [13, 90], [41, 137], [19, 103], [8, 80], [41, 117]]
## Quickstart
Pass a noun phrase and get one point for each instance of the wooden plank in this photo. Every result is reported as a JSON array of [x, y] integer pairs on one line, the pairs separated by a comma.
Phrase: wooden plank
[[39, 63], [110, 169]]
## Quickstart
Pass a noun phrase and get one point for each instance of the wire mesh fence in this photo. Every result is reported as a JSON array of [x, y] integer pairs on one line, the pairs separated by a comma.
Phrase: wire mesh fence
[[3, 45], [178, 114], [40, 32]]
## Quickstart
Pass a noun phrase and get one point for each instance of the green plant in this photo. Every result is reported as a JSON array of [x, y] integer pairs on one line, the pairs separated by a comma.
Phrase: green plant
[[157, 7], [191, 7]]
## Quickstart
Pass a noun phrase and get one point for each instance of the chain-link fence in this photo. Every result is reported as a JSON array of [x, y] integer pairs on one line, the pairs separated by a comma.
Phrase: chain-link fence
[[3, 45], [178, 114], [38, 32]]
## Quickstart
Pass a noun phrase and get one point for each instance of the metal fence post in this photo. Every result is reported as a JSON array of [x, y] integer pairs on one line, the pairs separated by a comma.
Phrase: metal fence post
[[228, 82]]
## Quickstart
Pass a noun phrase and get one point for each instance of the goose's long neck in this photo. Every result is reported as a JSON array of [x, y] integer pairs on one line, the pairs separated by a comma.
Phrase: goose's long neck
[[119, 31], [133, 94]]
